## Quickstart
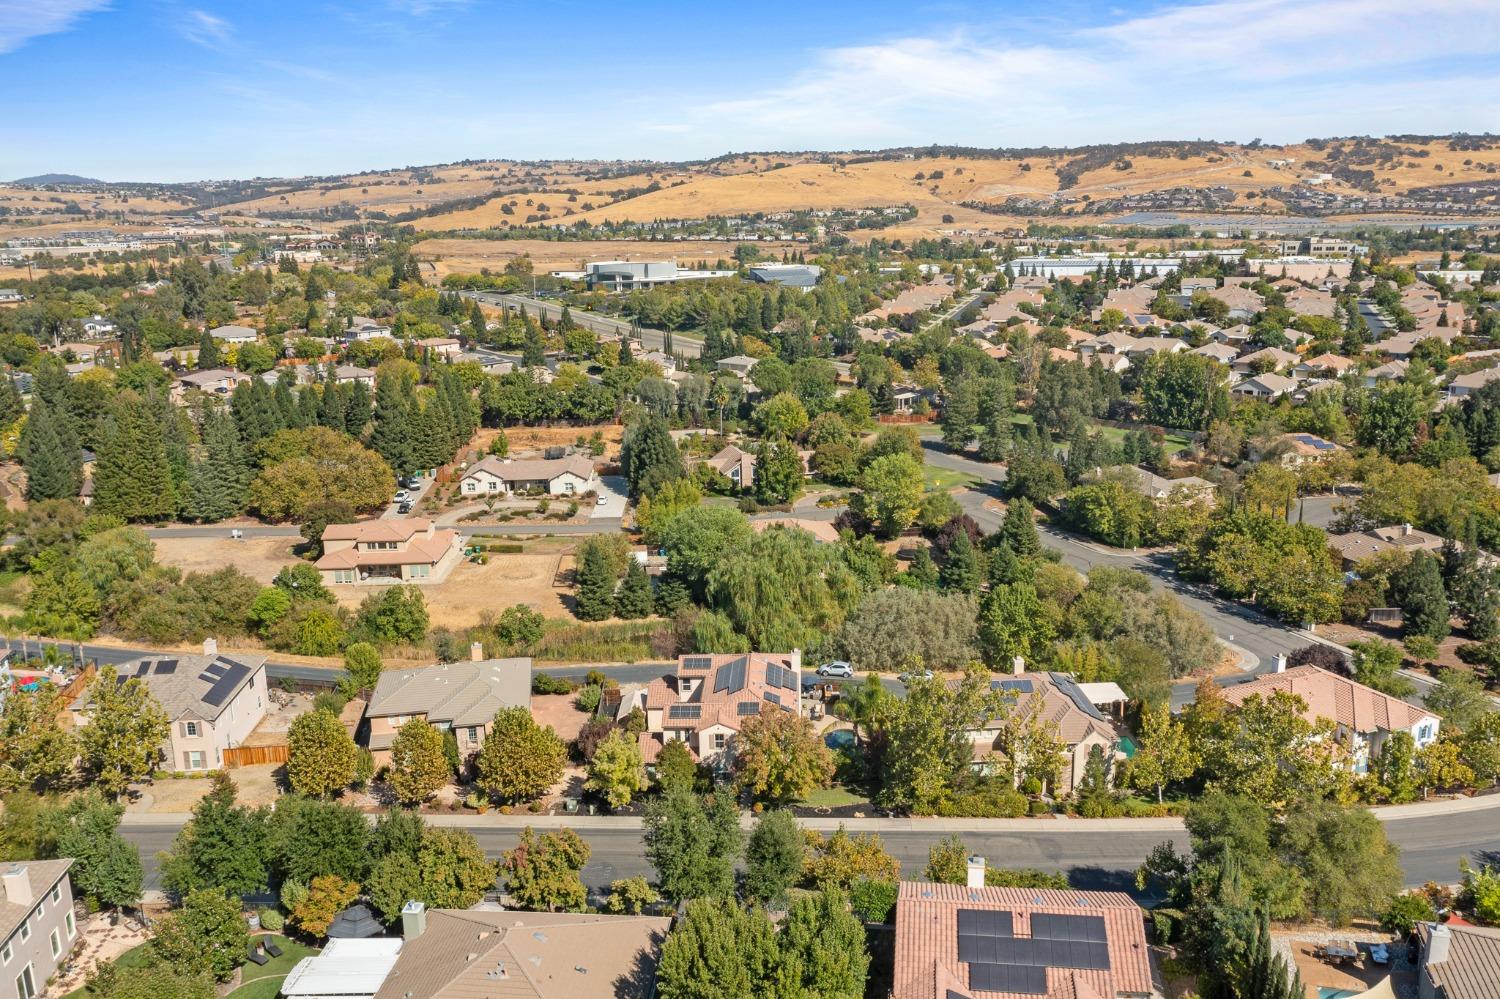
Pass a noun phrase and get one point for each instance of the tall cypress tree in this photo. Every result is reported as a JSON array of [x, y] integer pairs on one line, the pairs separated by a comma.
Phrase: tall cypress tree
[[357, 409], [49, 453], [332, 412], [11, 406], [132, 477], [393, 437], [221, 475], [208, 352], [596, 585]]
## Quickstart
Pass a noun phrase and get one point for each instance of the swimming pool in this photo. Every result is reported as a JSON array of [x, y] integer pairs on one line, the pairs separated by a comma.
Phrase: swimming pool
[[1329, 992], [841, 738]]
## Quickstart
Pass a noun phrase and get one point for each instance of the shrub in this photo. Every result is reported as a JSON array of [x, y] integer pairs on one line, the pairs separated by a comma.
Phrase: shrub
[[873, 901], [1039, 808], [545, 683], [588, 698], [331, 701], [271, 920], [1405, 912], [999, 803]]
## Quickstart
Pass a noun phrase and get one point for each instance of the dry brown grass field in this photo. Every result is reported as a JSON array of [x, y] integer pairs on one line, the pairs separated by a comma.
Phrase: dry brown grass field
[[258, 558]]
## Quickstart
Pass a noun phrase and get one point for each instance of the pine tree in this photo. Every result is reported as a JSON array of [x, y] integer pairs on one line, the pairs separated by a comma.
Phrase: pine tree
[[534, 350], [208, 352], [357, 409], [132, 478], [11, 406], [221, 475], [960, 572], [331, 411], [923, 571], [634, 599], [49, 453], [1018, 531], [394, 435], [596, 585]]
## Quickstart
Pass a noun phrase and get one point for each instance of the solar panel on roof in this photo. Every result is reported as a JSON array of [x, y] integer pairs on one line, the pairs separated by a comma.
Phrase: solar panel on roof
[[143, 668], [773, 698], [1019, 686], [165, 667], [1052, 926], [698, 662], [749, 708], [229, 677], [684, 711], [730, 678], [1008, 978]]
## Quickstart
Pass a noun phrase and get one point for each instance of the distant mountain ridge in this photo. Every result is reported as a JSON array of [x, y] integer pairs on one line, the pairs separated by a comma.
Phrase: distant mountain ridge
[[42, 179]]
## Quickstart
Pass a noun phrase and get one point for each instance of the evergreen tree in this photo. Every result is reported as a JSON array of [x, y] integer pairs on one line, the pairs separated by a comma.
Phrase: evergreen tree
[[634, 599], [1418, 590], [923, 571], [11, 407], [960, 571], [394, 434], [132, 478], [648, 456], [332, 412], [357, 410], [1018, 532], [208, 352], [219, 479], [49, 453], [534, 349], [596, 584], [774, 857]]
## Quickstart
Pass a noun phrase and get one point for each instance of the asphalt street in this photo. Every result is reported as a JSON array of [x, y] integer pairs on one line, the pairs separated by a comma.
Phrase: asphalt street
[[1093, 857]]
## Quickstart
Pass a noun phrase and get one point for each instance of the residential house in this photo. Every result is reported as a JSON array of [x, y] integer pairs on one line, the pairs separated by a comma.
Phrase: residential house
[[1156, 487], [666, 362], [1221, 352], [1306, 302], [98, 326], [1364, 718], [220, 381], [1270, 358], [478, 953], [213, 702], [1265, 387], [1356, 546], [1296, 450], [569, 476], [736, 464], [1323, 364], [1458, 961], [392, 550], [1243, 303], [9, 296], [84, 353], [37, 925], [440, 346], [1238, 335], [234, 334], [462, 697], [489, 363], [363, 328], [1386, 372], [970, 941], [1465, 385], [706, 701], [1059, 703], [738, 365], [348, 374]]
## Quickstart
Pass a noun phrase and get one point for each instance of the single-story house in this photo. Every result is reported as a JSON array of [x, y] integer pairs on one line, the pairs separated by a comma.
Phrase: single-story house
[[218, 380], [234, 334], [1267, 386], [1356, 546], [1298, 449], [442, 346], [1331, 364], [1275, 357], [738, 365], [348, 374], [569, 476], [1363, 717], [462, 697], [1386, 372], [736, 464], [213, 701], [393, 550]]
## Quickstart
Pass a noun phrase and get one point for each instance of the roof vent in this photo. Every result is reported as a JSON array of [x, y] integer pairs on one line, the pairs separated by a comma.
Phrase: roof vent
[[539, 936]]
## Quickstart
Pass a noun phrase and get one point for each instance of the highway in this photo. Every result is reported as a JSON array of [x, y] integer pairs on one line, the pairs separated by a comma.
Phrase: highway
[[682, 343], [1095, 855]]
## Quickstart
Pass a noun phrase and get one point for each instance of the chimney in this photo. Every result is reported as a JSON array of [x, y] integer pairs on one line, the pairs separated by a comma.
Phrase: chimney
[[1406, 530], [17, 885], [795, 659], [476, 651], [1438, 944], [1281, 662], [1018, 665], [210, 646], [976, 871], [413, 920]]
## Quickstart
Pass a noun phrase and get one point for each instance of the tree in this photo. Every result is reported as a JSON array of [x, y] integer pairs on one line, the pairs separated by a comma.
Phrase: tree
[[1405, 912], [452, 869], [676, 770], [326, 896], [1012, 623], [823, 949], [362, 663], [1459, 698], [778, 472], [35, 753], [158, 981], [394, 436], [1392, 413], [310, 838], [719, 950], [697, 540], [321, 754], [132, 478], [617, 770], [1164, 753], [648, 456], [634, 599], [774, 857], [692, 843], [596, 585], [782, 415], [778, 758], [892, 486], [519, 759], [897, 626], [654, 512], [418, 764], [541, 873], [630, 897], [960, 571], [1018, 531], [312, 469], [49, 452], [1375, 665], [1181, 389], [61, 601], [842, 860], [224, 846], [784, 589], [1348, 866], [121, 741], [396, 614], [1418, 590], [207, 936], [106, 868]]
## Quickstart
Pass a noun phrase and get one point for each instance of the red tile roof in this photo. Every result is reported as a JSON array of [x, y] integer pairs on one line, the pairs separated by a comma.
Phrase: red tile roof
[[1337, 698]]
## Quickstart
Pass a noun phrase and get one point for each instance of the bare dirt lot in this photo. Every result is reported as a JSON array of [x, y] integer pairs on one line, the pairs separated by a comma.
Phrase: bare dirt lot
[[259, 558], [470, 590], [468, 256]]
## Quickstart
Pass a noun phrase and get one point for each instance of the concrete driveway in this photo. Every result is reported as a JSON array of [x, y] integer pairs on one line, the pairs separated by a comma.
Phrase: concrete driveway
[[612, 491], [425, 484]]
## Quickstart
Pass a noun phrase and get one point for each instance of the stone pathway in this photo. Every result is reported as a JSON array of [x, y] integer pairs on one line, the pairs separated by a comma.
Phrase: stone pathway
[[99, 942]]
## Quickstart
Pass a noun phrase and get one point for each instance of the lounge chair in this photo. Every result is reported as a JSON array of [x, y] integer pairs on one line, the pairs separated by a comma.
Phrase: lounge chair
[[257, 955], [271, 948]]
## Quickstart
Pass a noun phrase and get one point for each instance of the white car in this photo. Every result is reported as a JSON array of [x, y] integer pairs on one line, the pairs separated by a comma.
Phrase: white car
[[401, 497], [836, 668], [602, 501]]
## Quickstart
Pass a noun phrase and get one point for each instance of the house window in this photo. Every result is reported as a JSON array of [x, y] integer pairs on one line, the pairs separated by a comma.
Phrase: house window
[[71, 925], [25, 984], [57, 893], [472, 733], [25, 933], [398, 720], [55, 939], [494, 485], [343, 575], [190, 729], [719, 739], [7, 953], [470, 485], [192, 760], [420, 571]]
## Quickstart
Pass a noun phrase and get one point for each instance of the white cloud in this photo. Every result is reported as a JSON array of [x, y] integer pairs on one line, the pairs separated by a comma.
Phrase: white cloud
[[23, 20], [203, 28], [427, 8]]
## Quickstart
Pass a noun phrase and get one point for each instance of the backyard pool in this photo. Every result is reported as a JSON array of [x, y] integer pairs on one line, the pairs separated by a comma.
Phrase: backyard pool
[[841, 738], [1329, 992]]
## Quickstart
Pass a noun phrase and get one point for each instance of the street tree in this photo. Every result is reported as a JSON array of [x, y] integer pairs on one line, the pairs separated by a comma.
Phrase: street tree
[[774, 857], [419, 765], [542, 872], [519, 759], [617, 771], [321, 755], [120, 743]]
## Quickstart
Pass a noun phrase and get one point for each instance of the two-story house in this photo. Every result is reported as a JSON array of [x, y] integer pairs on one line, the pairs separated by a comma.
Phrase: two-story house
[[393, 550], [1364, 718], [212, 701], [37, 926], [462, 697], [1058, 702], [707, 700]]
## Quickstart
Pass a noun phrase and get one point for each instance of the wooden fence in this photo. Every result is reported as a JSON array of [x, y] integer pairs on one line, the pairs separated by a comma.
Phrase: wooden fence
[[76, 686], [249, 756]]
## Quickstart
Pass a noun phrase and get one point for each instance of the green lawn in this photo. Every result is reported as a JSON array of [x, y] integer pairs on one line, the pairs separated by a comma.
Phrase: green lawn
[[135, 957], [1174, 441], [942, 479], [833, 797], [264, 981]]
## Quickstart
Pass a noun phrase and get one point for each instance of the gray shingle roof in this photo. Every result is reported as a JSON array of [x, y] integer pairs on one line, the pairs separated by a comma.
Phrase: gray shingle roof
[[178, 681], [42, 874], [462, 693]]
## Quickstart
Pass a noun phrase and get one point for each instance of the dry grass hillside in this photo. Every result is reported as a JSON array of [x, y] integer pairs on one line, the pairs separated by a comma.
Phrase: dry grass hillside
[[469, 256]]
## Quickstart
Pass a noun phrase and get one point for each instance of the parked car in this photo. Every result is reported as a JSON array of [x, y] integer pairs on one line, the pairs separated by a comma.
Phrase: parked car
[[402, 496], [412, 482], [913, 675], [602, 501], [836, 668], [405, 507]]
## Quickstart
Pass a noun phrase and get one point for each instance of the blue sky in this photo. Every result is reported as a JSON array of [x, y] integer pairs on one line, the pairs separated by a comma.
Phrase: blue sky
[[192, 89]]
